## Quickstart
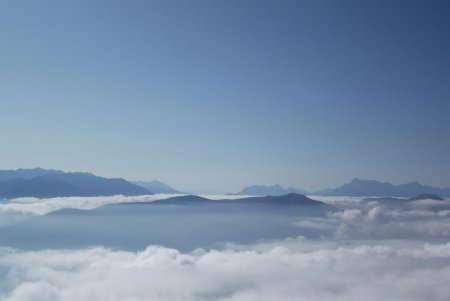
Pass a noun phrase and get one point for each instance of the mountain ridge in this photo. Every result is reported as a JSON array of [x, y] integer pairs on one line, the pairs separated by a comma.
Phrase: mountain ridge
[[41, 183], [358, 187]]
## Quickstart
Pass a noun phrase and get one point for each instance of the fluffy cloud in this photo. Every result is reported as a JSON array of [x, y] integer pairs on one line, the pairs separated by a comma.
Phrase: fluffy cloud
[[295, 269], [388, 223]]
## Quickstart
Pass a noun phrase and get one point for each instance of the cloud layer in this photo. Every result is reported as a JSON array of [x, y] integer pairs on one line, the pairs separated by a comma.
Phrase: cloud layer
[[295, 269], [367, 252]]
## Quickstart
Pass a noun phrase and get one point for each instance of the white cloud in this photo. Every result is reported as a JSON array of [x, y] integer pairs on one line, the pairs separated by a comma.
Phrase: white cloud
[[279, 271], [380, 222]]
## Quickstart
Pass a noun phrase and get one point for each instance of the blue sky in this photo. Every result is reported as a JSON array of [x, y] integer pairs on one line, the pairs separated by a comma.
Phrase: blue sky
[[217, 95]]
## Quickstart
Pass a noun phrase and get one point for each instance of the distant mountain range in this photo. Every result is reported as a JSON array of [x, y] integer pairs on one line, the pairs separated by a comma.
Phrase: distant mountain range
[[47, 183], [274, 190], [42, 183], [156, 186], [359, 188]]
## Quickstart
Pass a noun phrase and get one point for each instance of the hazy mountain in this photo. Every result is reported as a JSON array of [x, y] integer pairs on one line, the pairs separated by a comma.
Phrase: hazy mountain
[[50, 183], [156, 186], [269, 190], [185, 223], [359, 187]]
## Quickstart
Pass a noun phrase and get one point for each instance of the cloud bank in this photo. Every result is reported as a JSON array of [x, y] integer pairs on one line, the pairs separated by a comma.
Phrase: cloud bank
[[386, 223], [295, 269]]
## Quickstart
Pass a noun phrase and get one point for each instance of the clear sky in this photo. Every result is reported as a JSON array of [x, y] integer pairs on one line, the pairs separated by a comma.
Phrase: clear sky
[[217, 95]]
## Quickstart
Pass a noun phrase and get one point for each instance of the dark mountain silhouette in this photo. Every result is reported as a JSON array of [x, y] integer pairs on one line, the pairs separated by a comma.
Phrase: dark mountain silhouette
[[276, 189], [185, 223], [359, 187], [50, 183], [291, 199], [156, 186]]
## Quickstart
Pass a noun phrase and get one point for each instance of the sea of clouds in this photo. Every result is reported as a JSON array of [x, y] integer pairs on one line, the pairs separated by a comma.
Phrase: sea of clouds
[[367, 252], [295, 269]]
